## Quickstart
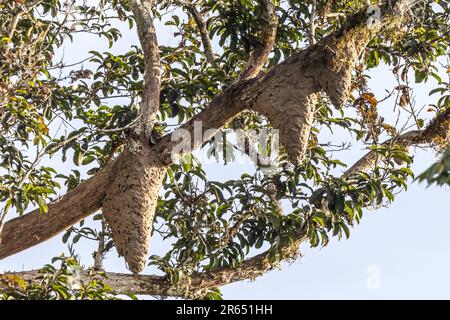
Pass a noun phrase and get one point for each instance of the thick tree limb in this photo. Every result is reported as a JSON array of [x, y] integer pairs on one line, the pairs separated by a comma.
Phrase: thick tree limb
[[130, 201], [437, 132], [32, 228], [325, 66], [142, 10], [196, 287]]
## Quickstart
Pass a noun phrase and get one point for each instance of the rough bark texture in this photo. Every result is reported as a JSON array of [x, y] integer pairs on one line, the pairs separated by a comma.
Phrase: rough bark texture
[[23, 232], [286, 95], [437, 133], [288, 98], [130, 204], [142, 11], [196, 287]]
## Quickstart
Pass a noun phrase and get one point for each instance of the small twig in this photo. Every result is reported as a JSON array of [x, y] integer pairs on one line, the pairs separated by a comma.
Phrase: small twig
[[100, 253], [14, 24], [61, 65], [128, 126]]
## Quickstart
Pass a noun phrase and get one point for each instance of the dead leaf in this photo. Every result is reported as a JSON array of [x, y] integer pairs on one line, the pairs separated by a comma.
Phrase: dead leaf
[[370, 98]]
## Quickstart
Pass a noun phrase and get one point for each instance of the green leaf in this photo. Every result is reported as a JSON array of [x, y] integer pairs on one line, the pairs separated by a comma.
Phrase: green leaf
[[78, 157], [42, 205]]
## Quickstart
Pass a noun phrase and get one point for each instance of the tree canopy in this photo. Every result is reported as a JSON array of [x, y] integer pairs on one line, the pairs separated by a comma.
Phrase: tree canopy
[[276, 69]]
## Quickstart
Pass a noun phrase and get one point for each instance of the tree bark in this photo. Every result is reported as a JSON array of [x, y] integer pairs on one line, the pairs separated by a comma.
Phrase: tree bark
[[437, 133], [131, 199], [285, 94], [197, 286], [32, 228]]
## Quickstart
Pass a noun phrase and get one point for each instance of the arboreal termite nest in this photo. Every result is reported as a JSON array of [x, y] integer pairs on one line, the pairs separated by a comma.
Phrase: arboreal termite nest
[[130, 204], [289, 98], [438, 130]]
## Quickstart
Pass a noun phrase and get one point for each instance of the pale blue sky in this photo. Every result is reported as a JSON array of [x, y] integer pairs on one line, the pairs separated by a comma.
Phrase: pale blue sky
[[408, 242]]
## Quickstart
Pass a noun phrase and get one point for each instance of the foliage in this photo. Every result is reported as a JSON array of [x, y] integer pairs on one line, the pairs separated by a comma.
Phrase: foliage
[[438, 173], [83, 115], [56, 284]]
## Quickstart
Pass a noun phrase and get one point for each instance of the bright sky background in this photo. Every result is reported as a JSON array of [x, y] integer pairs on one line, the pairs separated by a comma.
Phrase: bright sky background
[[405, 246]]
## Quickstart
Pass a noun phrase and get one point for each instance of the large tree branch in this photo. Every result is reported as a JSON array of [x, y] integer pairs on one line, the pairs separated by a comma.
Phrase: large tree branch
[[142, 10], [196, 287], [32, 228], [284, 94], [436, 133]]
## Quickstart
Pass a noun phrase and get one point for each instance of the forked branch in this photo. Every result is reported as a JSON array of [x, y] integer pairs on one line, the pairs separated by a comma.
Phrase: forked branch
[[293, 83]]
